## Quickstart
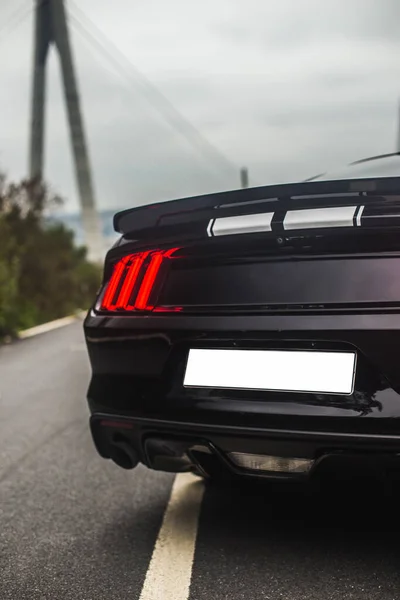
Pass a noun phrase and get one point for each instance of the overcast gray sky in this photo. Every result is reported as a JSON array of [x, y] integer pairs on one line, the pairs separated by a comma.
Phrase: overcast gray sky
[[289, 88]]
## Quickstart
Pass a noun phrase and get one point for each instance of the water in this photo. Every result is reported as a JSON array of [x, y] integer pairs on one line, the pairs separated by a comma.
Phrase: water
[[74, 222]]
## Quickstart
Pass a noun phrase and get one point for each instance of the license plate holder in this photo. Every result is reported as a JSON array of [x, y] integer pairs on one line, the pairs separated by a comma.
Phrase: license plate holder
[[301, 371]]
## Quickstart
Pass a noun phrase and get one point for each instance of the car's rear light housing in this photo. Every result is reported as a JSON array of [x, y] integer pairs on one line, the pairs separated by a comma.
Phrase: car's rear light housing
[[272, 464], [135, 282]]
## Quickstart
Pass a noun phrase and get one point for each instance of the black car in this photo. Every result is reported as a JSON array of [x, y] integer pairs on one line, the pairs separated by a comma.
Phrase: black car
[[252, 332]]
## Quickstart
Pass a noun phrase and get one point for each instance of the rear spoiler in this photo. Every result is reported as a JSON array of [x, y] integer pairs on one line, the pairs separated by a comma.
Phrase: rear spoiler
[[276, 198]]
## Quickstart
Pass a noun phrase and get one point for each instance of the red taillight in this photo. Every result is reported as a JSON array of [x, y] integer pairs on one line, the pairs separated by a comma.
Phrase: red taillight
[[132, 273], [133, 281], [111, 289], [149, 279]]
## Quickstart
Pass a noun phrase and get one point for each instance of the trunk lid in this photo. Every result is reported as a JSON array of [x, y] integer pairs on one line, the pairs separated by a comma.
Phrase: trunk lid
[[314, 246]]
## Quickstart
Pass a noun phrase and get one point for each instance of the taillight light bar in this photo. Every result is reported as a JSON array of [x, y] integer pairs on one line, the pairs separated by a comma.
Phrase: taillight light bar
[[133, 280]]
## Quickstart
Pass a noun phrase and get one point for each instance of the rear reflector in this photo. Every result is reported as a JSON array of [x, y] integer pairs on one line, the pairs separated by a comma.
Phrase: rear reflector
[[116, 424], [133, 280], [271, 464]]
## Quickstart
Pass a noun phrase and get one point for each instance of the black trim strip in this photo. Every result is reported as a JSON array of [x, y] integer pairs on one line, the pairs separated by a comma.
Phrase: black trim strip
[[277, 221], [253, 431]]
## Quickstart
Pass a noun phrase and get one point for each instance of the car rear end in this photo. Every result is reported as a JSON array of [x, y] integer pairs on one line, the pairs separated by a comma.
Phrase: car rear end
[[254, 332]]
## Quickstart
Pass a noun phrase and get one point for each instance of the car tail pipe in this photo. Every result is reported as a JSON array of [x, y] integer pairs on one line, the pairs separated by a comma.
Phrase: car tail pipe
[[122, 453]]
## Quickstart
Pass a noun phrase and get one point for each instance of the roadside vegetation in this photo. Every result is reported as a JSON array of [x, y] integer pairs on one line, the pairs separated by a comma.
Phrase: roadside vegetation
[[43, 274]]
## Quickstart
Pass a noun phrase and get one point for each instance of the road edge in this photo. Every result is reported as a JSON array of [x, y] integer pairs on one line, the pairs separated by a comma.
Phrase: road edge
[[51, 325]]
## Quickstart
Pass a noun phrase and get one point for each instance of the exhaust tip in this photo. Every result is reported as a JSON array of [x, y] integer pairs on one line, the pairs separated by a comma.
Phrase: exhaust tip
[[122, 453]]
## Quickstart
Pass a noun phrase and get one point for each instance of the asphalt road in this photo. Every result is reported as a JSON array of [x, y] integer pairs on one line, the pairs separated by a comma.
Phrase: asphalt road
[[75, 526]]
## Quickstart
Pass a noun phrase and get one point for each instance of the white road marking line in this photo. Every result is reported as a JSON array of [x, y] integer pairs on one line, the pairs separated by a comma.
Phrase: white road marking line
[[45, 327], [170, 571]]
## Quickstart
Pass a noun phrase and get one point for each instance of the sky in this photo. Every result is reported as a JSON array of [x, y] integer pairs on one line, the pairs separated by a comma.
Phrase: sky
[[287, 88]]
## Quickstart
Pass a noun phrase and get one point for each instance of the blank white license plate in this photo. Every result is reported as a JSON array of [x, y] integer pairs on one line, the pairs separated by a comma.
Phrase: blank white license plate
[[275, 370]]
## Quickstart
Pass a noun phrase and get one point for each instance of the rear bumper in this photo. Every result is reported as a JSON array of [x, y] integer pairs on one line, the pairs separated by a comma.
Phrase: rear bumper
[[181, 446], [137, 391]]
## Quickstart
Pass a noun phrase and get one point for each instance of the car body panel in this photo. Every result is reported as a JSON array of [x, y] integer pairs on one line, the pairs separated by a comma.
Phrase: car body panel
[[334, 287]]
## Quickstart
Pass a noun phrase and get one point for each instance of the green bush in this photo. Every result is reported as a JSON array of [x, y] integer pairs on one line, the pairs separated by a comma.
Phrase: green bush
[[9, 274], [43, 275]]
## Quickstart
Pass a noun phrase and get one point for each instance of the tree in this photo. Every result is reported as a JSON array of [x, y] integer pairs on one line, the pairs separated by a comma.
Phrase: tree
[[43, 275]]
